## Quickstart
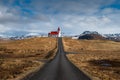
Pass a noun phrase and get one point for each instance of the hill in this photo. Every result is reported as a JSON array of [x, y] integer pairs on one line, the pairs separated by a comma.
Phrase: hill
[[92, 37], [98, 58], [21, 57]]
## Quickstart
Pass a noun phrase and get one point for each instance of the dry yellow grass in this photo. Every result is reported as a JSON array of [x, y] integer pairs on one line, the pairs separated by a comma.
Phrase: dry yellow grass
[[92, 45], [99, 58], [19, 57]]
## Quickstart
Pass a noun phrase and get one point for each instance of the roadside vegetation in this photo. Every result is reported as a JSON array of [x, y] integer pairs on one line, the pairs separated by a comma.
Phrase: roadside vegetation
[[19, 58], [100, 59]]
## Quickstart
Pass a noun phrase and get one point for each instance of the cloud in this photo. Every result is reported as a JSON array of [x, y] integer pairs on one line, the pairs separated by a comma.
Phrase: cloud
[[68, 6], [7, 16], [32, 34], [78, 23], [12, 20], [73, 16], [3, 29]]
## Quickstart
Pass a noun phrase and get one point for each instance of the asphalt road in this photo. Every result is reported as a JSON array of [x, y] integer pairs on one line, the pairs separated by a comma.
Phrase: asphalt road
[[60, 68]]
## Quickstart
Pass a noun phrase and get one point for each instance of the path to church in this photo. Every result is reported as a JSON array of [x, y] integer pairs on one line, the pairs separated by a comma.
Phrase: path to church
[[60, 68]]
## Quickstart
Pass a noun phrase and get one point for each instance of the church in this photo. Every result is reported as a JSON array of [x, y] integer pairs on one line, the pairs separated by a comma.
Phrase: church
[[55, 33]]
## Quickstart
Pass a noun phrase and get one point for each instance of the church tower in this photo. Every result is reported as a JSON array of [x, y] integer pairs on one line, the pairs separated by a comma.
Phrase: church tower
[[59, 32]]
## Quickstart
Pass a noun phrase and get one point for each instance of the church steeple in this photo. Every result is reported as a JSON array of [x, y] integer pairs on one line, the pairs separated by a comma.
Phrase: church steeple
[[58, 29], [59, 32]]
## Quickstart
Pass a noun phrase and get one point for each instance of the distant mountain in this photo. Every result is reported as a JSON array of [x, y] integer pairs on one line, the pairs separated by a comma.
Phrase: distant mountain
[[21, 37], [95, 35], [3, 39], [91, 35], [30, 35], [25, 36], [114, 37], [89, 32]]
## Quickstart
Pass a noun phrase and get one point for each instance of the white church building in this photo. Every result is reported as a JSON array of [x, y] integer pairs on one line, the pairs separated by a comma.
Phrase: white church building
[[55, 33]]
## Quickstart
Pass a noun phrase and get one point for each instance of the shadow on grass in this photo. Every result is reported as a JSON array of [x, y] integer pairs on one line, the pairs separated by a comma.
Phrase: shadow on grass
[[50, 53], [105, 63]]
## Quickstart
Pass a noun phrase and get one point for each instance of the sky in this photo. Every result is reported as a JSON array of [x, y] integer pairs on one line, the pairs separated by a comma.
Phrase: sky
[[23, 17]]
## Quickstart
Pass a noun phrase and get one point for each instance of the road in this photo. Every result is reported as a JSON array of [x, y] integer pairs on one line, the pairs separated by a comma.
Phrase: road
[[60, 68]]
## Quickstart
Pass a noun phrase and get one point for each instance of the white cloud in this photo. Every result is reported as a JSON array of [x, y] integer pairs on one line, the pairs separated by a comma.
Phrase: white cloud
[[32, 34], [74, 16], [3, 29], [80, 23], [70, 6]]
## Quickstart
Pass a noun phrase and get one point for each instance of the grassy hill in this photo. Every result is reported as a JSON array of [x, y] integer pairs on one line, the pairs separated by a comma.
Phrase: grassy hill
[[100, 59], [21, 57]]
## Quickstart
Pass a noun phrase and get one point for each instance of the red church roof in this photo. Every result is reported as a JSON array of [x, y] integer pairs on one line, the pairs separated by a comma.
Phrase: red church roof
[[53, 33]]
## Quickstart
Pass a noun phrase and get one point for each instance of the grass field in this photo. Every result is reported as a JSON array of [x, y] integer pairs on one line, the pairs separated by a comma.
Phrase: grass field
[[100, 59], [21, 57]]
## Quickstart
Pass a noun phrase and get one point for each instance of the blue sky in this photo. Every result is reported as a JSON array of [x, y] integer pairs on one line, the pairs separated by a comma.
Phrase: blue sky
[[19, 17]]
